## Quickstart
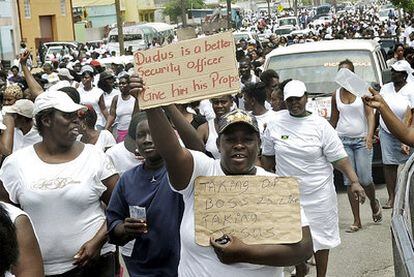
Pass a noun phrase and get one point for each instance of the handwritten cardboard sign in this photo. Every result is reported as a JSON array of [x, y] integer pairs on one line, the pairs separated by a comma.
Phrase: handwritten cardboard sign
[[187, 71], [256, 209]]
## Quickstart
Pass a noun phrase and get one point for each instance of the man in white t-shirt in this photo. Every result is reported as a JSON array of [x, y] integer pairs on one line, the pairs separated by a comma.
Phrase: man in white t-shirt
[[239, 146], [254, 96], [20, 131]]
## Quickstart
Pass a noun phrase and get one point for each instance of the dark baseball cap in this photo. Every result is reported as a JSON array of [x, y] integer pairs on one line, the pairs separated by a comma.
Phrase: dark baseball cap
[[237, 116]]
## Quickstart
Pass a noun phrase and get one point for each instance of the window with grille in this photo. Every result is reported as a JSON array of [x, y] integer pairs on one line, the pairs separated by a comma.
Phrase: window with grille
[[63, 7], [27, 11]]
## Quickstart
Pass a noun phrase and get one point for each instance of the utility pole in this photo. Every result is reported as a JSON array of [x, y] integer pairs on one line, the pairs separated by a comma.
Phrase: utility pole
[[184, 12], [268, 8], [228, 14], [295, 7], [120, 30]]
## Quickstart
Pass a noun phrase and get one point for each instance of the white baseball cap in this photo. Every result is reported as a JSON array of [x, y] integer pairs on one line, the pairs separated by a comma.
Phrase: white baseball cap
[[294, 88], [56, 99], [23, 107], [65, 72], [402, 65]]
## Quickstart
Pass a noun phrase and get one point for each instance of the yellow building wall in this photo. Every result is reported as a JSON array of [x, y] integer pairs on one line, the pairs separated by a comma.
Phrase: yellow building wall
[[135, 9], [131, 11], [62, 25]]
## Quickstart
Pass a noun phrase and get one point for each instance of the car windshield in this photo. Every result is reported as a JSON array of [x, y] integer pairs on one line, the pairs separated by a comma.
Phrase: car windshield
[[287, 21], [57, 50], [318, 69]]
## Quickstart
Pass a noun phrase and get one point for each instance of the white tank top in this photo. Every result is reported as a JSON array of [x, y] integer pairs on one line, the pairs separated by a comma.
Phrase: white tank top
[[352, 121], [211, 145], [124, 109]]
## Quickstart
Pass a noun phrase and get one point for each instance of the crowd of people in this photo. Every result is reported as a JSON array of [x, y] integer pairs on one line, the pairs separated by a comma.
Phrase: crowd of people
[[87, 178]]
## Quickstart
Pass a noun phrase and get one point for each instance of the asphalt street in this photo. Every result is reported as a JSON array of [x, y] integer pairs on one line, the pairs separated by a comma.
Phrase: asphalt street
[[366, 253]]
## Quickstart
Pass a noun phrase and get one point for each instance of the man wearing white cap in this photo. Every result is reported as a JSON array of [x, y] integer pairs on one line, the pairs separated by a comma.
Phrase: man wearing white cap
[[65, 80], [20, 130], [306, 146]]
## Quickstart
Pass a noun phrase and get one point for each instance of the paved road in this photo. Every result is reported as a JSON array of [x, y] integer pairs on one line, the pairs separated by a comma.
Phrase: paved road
[[366, 253]]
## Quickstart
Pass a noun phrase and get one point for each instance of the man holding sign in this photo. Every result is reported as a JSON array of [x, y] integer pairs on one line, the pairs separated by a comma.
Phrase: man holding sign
[[239, 144]]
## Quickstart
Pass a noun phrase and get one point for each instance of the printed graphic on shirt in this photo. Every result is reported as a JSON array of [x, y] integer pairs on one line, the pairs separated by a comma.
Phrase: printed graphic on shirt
[[52, 184]]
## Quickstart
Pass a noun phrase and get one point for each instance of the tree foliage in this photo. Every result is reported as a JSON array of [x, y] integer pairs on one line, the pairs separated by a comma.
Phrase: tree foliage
[[173, 8], [406, 5]]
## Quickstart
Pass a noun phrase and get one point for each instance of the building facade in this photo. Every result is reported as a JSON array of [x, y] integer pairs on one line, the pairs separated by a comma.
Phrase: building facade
[[45, 20], [100, 13], [139, 10], [9, 30]]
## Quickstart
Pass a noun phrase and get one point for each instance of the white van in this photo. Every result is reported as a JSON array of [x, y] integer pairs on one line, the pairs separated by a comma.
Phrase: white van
[[164, 30], [138, 36], [316, 64]]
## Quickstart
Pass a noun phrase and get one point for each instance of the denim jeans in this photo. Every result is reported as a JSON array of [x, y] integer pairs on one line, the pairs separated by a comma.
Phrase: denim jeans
[[360, 158]]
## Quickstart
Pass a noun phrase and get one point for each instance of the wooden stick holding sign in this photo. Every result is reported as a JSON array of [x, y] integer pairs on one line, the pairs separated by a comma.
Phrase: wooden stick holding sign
[[187, 71], [256, 209]]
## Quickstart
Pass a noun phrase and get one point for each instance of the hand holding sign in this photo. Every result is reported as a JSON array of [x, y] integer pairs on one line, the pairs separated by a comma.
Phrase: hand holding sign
[[188, 71], [255, 209]]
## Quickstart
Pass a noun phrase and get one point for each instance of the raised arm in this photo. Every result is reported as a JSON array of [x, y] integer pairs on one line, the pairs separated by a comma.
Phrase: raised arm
[[179, 161], [187, 132], [394, 124], [7, 138], [202, 132], [34, 86]]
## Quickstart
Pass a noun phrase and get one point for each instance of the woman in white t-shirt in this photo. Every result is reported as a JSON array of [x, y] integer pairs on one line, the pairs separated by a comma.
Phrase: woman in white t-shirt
[[90, 95], [29, 262], [121, 110], [239, 144], [106, 84], [208, 131], [103, 139], [354, 123], [61, 184], [301, 144], [399, 95]]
